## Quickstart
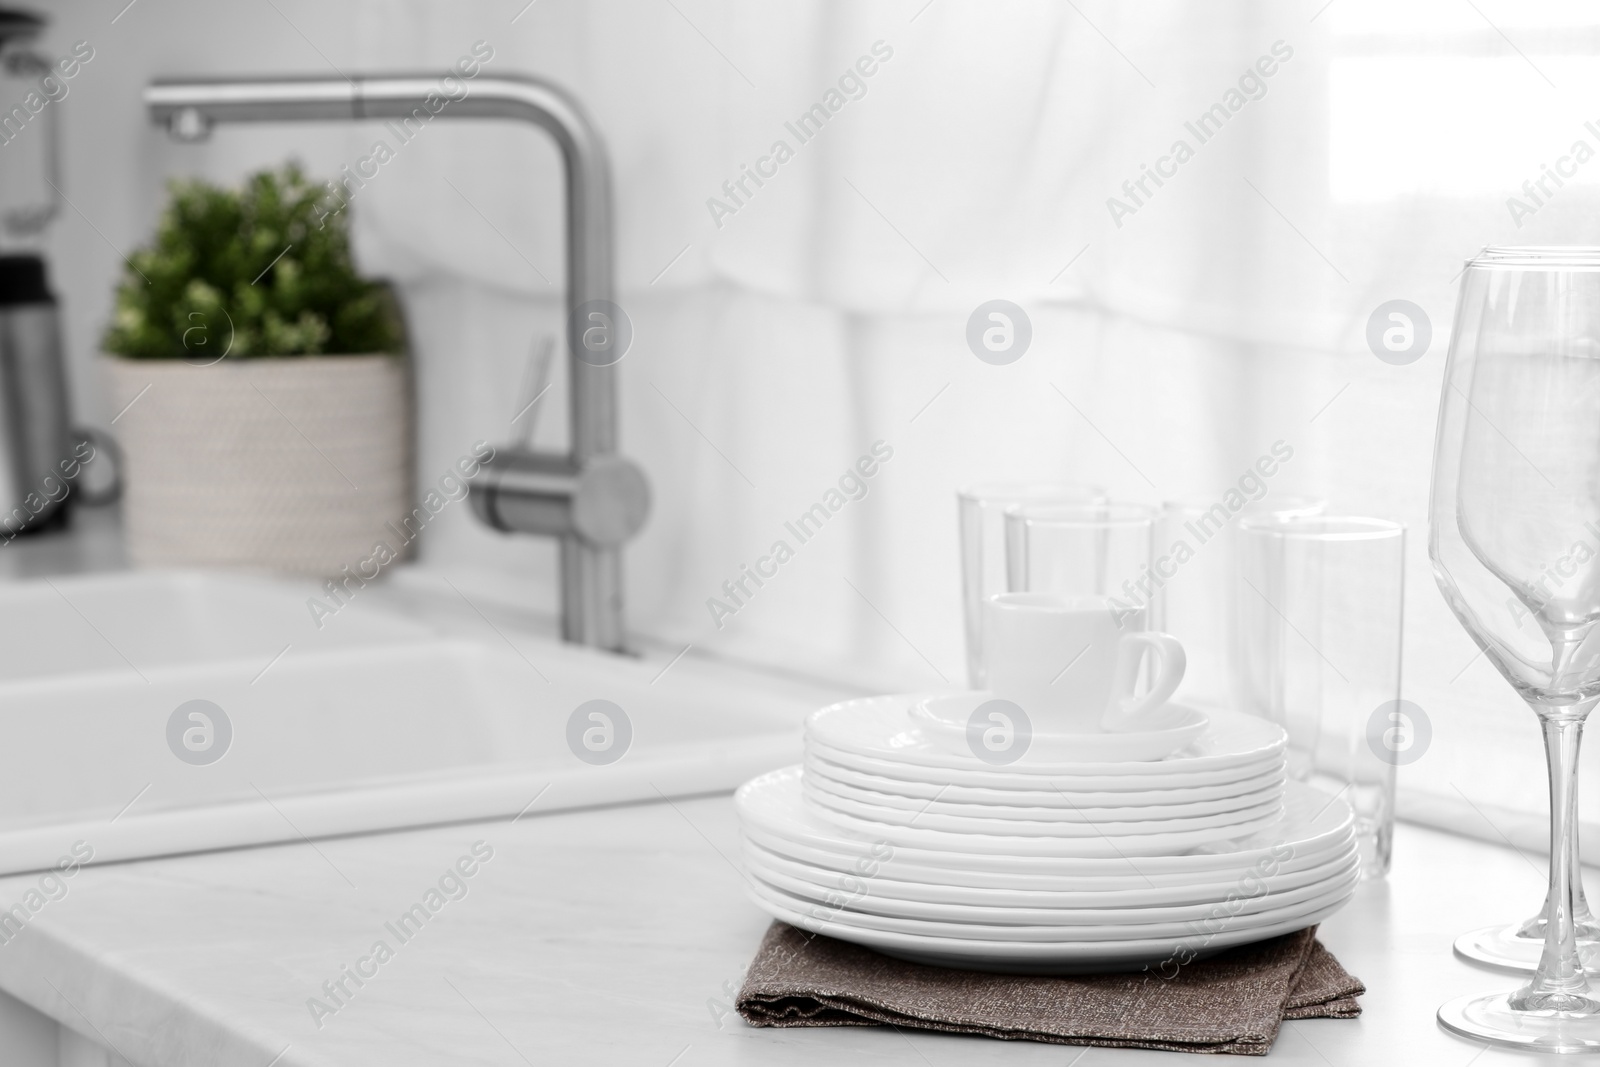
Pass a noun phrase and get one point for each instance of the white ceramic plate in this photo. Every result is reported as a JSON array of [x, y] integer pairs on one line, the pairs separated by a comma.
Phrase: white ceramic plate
[[816, 780], [771, 807], [1056, 843], [1015, 924], [1101, 880], [943, 718], [996, 908], [1035, 934], [830, 804], [1002, 778], [1028, 957], [891, 879], [1043, 795], [880, 727]]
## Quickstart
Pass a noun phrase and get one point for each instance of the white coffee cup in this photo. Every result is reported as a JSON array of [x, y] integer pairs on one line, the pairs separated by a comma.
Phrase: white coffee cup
[[1072, 663]]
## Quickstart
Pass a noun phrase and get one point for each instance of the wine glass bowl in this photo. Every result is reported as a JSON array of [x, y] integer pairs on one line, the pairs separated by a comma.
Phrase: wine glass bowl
[[1515, 546], [1520, 446]]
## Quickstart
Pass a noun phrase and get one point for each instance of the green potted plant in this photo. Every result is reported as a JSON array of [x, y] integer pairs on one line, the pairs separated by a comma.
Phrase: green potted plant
[[260, 392]]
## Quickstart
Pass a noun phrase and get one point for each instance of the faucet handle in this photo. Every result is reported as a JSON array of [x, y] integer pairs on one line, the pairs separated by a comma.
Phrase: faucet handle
[[604, 501]]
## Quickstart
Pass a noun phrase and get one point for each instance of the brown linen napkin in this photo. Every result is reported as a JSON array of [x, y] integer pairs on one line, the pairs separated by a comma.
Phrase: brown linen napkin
[[1231, 1002]]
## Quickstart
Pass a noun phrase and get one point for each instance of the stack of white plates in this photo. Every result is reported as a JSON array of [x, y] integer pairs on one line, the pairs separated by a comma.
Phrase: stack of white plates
[[888, 840]]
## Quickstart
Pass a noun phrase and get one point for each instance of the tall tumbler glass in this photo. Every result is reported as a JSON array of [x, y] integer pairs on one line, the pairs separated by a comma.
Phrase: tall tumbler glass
[[1080, 550], [982, 511], [1319, 614], [1194, 587]]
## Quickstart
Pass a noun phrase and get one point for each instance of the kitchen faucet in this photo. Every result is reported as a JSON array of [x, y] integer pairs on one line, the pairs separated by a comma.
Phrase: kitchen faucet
[[590, 498]]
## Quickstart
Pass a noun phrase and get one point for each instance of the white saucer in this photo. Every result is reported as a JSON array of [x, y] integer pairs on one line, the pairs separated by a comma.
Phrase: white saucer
[[943, 719], [1044, 794], [879, 728], [895, 880], [1062, 810]]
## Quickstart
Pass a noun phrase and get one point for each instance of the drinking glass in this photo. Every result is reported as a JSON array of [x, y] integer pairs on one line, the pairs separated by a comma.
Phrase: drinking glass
[[1513, 519], [982, 511], [1195, 578], [1319, 616], [1101, 549]]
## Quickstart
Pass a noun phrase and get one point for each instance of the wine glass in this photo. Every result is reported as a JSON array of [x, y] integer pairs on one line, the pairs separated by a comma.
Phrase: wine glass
[[1515, 545], [1520, 945]]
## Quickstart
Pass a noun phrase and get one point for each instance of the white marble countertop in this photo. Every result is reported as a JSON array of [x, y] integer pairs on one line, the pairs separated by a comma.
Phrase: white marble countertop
[[614, 935], [610, 936]]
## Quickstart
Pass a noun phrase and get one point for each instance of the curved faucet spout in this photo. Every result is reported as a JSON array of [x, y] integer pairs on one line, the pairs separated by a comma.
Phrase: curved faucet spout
[[591, 578]]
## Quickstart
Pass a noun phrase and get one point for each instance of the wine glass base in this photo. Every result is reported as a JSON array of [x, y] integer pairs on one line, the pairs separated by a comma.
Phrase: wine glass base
[[1506, 948], [1491, 1019]]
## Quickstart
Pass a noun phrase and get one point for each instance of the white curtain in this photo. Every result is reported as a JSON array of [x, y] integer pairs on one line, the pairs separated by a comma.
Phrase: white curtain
[[1360, 154]]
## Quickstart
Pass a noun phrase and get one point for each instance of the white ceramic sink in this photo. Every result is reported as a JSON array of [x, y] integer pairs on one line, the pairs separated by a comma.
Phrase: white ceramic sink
[[389, 716]]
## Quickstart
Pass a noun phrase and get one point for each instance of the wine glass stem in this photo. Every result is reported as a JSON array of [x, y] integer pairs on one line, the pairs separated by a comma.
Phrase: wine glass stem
[[1582, 917], [1559, 984]]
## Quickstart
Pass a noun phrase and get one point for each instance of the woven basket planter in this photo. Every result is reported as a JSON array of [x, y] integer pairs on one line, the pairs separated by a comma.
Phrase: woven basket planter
[[289, 465]]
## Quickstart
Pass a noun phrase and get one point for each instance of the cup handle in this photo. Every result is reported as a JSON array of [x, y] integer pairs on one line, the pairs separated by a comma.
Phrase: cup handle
[[1125, 709]]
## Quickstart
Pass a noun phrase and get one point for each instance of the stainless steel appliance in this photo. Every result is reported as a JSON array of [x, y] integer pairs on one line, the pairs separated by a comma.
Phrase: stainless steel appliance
[[41, 457], [37, 466]]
